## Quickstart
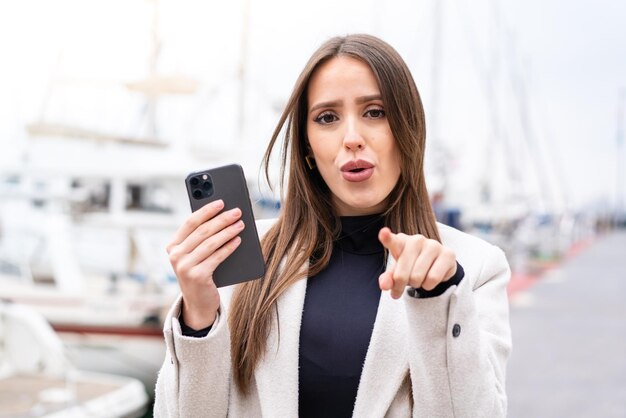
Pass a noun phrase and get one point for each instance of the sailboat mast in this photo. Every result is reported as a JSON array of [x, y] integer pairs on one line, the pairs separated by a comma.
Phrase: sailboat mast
[[152, 70], [438, 147], [241, 74], [436, 67], [619, 180], [494, 97]]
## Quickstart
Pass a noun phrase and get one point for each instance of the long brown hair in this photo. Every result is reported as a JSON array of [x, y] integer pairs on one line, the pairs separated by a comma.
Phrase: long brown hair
[[307, 225]]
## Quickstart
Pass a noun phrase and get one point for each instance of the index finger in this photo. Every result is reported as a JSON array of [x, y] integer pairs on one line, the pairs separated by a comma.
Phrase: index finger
[[195, 220], [393, 242]]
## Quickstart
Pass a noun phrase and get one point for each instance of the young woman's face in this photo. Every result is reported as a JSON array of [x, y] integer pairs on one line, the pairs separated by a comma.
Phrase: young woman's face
[[350, 137]]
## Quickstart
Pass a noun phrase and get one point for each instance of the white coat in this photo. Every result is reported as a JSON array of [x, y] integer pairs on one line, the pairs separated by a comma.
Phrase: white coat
[[458, 373]]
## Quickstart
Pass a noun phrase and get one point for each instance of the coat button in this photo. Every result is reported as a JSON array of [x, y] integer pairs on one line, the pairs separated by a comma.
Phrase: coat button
[[456, 330]]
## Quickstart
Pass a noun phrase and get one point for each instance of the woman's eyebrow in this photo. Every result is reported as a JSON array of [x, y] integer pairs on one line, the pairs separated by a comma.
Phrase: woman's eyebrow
[[365, 99], [333, 103]]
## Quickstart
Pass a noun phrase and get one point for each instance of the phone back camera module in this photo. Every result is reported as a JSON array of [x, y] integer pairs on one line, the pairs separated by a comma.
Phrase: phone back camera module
[[202, 187]]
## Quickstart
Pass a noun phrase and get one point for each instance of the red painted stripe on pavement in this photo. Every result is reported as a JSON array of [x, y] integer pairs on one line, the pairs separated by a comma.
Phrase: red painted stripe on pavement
[[522, 281], [104, 330]]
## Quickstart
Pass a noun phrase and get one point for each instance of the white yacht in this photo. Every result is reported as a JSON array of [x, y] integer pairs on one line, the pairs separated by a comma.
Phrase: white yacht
[[38, 380]]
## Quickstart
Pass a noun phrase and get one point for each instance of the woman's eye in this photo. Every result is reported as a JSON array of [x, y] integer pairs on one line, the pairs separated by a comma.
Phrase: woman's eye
[[375, 113], [326, 118]]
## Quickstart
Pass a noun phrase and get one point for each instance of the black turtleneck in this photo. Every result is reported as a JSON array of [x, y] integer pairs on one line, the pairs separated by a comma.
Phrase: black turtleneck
[[338, 318]]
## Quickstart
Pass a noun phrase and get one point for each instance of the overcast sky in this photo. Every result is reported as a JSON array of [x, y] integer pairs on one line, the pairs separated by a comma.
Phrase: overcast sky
[[551, 69], [578, 59]]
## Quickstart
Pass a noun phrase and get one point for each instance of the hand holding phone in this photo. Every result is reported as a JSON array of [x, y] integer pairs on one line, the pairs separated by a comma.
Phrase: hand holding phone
[[217, 245]]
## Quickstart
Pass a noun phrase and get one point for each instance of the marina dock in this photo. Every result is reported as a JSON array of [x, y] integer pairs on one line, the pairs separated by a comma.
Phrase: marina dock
[[569, 337]]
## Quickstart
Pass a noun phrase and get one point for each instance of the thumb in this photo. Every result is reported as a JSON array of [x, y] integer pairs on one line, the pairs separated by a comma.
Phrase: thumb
[[385, 280]]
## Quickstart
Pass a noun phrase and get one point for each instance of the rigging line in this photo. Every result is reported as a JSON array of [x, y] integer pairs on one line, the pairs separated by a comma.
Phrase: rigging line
[[518, 80], [485, 77], [619, 143], [436, 68], [497, 103], [521, 105], [479, 63], [530, 135], [470, 37], [51, 84], [547, 131], [414, 55], [243, 73]]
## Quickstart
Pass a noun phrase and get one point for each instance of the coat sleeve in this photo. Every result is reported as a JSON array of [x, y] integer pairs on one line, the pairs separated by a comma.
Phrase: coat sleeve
[[194, 379], [460, 342]]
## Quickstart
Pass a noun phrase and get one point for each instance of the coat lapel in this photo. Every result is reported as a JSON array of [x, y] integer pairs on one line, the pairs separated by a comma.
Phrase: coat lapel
[[386, 362], [277, 374]]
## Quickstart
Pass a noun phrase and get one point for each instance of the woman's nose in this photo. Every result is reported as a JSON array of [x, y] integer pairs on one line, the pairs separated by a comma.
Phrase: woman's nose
[[353, 139]]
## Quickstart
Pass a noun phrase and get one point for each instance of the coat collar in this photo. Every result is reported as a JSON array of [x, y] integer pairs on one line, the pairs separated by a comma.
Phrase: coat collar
[[386, 362]]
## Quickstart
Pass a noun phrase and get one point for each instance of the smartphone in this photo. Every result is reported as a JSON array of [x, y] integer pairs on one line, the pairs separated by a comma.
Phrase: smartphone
[[229, 184]]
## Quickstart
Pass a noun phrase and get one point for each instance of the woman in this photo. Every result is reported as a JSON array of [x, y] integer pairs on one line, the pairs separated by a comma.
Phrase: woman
[[350, 319]]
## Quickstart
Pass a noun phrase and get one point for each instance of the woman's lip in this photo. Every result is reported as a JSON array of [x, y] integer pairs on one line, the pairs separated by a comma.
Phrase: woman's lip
[[357, 176], [354, 165]]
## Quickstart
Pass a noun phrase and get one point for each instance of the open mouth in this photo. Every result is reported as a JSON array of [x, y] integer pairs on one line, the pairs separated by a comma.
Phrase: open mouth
[[356, 166], [357, 171]]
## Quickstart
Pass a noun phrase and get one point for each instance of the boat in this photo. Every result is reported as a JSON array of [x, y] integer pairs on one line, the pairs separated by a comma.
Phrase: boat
[[86, 249], [108, 311], [37, 379]]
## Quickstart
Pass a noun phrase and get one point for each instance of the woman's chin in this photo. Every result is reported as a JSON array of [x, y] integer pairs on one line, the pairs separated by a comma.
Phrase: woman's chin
[[358, 207]]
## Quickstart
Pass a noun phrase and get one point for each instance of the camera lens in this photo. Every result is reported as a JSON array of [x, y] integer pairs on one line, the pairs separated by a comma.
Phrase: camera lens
[[207, 186], [194, 181], [197, 194]]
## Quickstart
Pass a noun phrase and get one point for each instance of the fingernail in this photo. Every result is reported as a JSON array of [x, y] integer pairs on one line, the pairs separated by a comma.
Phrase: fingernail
[[239, 225], [237, 241], [235, 213], [217, 203]]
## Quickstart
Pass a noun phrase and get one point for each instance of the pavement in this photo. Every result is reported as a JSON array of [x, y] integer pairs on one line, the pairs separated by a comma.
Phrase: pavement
[[569, 337]]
